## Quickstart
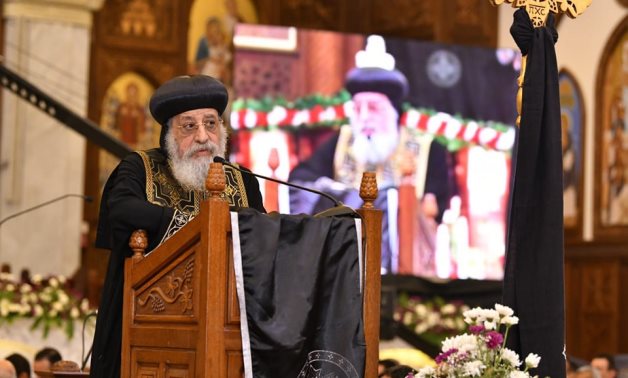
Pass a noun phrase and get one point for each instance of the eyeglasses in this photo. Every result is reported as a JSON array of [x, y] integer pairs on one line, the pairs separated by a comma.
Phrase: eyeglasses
[[190, 127]]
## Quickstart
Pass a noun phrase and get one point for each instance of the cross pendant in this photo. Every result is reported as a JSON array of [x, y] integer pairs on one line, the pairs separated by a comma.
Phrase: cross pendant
[[539, 10]]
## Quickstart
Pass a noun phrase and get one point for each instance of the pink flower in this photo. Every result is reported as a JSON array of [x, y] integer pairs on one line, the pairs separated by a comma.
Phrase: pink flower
[[443, 356], [494, 339], [476, 329]]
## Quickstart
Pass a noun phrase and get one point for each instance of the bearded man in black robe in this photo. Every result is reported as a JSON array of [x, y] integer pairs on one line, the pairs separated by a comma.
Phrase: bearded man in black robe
[[373, 141], [160, 190]]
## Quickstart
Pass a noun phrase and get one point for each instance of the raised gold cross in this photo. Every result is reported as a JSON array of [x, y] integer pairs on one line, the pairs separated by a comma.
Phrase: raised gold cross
[[540, 9]]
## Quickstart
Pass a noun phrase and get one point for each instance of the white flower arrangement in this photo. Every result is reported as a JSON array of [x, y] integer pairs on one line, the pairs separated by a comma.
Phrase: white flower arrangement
[[49, 302], [434, 319], [483, 352]]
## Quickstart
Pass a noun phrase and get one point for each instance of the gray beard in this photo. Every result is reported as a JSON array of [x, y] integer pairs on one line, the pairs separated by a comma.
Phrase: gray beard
[[188, 171], [376, 150]]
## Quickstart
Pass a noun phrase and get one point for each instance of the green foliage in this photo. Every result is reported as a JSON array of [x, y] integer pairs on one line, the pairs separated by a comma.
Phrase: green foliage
[[50, 303]]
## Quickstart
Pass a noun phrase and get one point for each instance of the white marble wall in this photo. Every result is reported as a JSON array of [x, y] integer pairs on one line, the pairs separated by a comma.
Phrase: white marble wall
[[40, 158]]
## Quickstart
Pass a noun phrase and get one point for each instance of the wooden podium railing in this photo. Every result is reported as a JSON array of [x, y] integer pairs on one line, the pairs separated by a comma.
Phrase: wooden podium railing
[[181, 316]]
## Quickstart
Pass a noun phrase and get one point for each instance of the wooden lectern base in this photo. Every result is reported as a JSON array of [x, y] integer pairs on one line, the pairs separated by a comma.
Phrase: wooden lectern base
[[62, 369], [61, 374]]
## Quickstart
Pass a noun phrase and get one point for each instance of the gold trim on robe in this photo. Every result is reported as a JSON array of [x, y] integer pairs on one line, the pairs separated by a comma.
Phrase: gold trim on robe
[[162, 188]]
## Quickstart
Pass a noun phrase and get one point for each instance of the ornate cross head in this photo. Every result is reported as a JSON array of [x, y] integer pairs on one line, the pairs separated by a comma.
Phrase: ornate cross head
[[540, 9]]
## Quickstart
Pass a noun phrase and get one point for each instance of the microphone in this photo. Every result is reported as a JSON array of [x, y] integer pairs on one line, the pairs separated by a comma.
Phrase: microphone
[[86, 198], [338, 209]]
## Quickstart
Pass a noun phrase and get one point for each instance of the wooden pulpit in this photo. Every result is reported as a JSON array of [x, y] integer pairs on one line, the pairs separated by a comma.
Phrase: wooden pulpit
[[181, 316]]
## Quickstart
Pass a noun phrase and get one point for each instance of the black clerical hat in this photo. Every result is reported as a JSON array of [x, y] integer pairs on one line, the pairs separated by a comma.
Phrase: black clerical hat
[[392, 83], [184, 93]]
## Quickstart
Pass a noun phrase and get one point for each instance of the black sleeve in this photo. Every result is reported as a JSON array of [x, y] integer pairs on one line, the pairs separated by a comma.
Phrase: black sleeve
[[124, 208], [253, 193], [319, 164]]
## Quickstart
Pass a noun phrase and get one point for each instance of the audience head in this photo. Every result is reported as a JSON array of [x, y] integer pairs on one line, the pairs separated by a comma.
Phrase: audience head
[[605, 364], [384, 365], [570, 368], [587, 371], [6, 369], [401, 371], [21, 365], [45, 358]]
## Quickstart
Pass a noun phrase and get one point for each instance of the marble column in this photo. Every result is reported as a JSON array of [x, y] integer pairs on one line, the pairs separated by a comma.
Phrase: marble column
[[48, 43]]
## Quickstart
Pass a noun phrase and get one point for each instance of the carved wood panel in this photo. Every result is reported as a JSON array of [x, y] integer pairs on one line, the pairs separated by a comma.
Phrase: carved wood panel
[[233, 310], [455, 21], [408, 18], [153, 24], [147, 370], [596, 299], [321, 14], [172, 294], [468, 22], [147, 362], [147, 37], [600, 284], [235, 365]]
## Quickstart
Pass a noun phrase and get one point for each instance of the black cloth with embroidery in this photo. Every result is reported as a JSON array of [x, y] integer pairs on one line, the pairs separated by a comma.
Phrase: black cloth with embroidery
[[533, 280], [124, 209], [302, 294]]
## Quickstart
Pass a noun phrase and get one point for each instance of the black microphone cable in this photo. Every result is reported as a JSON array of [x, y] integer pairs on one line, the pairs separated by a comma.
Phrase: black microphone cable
[[86, 198], [219, 159], [84, 358]]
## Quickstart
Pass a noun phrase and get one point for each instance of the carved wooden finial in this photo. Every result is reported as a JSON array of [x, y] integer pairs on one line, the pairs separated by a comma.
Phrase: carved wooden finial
[[138, 243], [216, 181], [368, 189], [539, 10]]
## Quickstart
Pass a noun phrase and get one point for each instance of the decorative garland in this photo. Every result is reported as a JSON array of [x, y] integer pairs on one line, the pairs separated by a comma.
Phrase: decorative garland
[[456, 133], [325, 111], [310, 111]]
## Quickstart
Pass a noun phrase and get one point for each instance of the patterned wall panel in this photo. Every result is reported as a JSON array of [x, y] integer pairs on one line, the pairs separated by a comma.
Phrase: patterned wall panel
[[408, 18], [262, 74], [146, 37], [460, 21], [320, 14], [596, 289], [152, 24]]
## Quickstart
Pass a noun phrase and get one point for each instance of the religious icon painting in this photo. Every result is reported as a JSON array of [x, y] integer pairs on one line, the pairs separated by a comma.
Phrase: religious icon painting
[[212, 24], [572, 125], [611, 182], [125, 115]]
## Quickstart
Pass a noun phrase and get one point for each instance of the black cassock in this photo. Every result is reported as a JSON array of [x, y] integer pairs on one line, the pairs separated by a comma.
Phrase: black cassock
[[124, 208]]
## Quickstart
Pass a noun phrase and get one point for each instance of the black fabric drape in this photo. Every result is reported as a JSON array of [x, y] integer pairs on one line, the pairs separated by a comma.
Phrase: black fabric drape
[[302, 295], [533, 281]]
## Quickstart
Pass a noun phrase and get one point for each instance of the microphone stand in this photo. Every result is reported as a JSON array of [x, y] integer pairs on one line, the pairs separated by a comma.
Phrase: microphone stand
[[86, 198], [89, 353], [218, 159]]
